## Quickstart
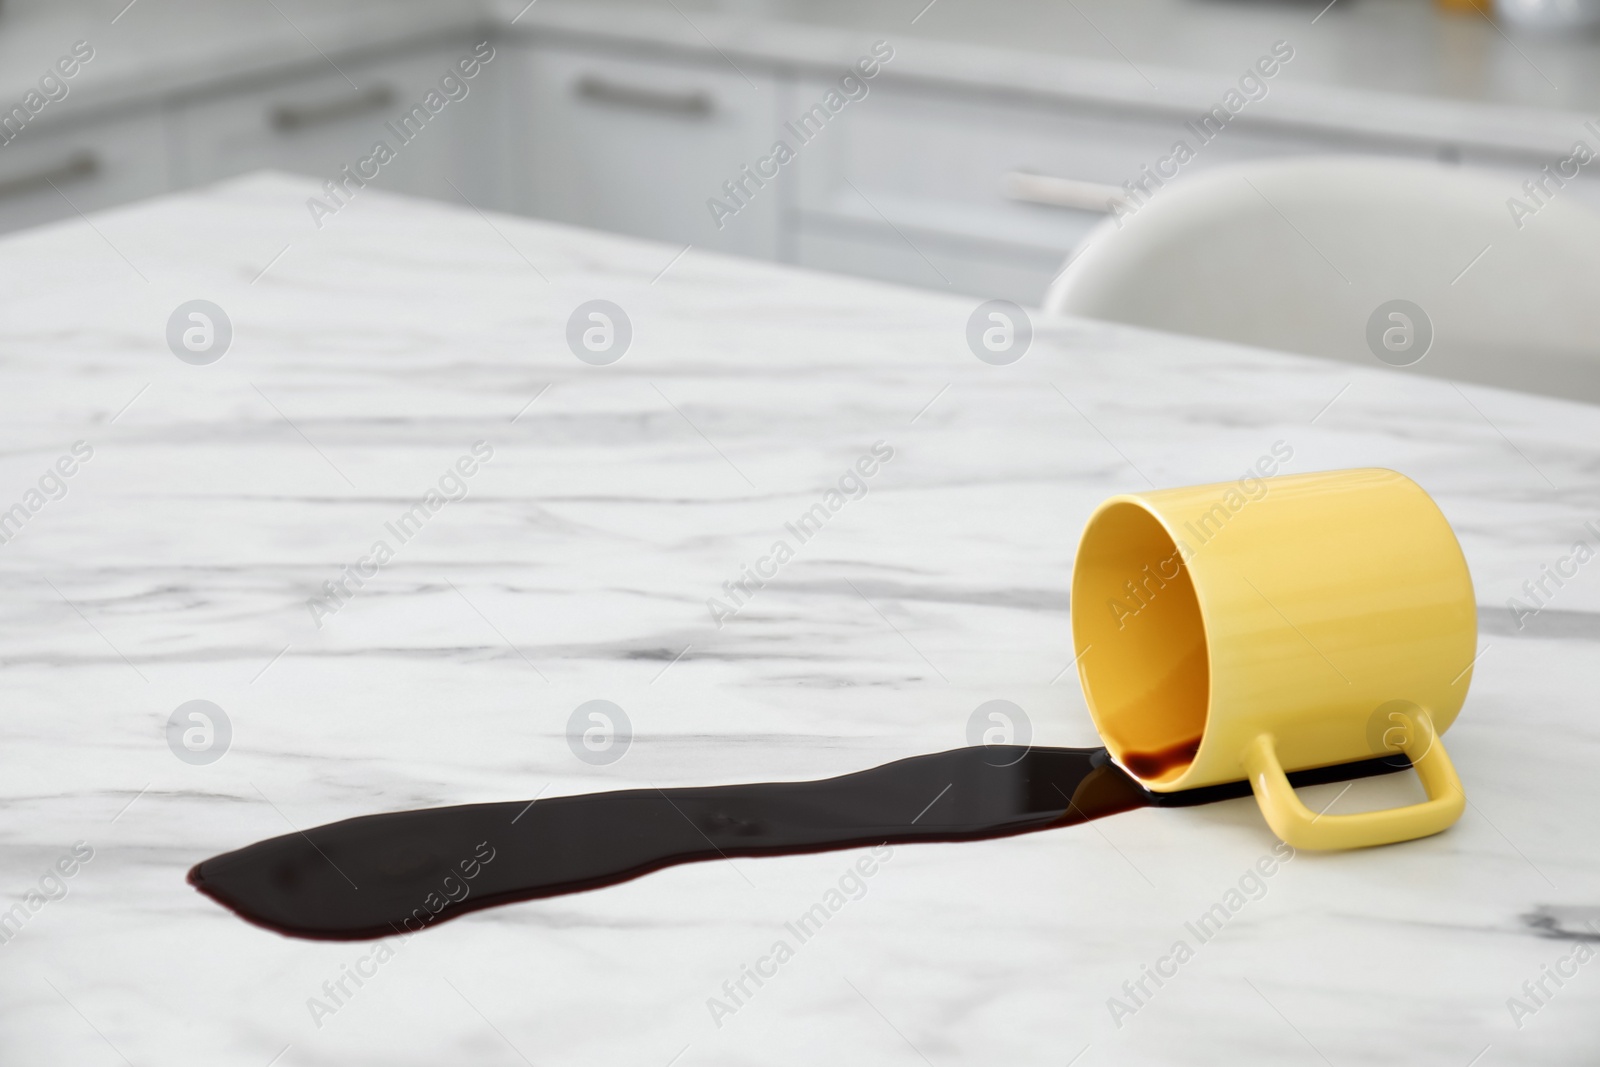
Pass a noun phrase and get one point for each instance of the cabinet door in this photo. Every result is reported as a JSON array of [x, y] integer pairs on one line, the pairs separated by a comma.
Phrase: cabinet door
[[639, 146], [993, 193], [317, 124], [48, 174]]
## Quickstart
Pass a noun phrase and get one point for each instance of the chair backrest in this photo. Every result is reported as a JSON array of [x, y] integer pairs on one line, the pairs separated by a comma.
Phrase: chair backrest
[[1310, 254]]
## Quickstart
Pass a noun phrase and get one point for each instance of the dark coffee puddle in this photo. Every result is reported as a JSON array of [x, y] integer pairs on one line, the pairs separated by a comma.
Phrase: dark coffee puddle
[[378, 875]]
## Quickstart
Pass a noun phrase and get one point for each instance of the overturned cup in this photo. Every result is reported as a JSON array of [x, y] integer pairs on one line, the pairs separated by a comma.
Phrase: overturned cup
[[1228, 632]]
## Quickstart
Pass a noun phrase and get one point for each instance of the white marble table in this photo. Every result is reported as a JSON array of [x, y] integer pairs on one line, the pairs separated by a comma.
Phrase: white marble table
[[370, 355]]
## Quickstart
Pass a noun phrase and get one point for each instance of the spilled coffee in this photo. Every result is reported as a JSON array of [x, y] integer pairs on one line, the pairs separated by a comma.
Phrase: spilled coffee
[[378, 875]]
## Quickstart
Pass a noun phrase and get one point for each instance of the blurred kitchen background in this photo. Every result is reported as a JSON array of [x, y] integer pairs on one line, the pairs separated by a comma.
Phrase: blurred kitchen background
[[975, 159]]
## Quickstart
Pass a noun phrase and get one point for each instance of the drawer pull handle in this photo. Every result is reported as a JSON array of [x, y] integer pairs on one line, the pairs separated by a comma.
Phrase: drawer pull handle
[[74, 168], [287, 118], [1020, 185], [601, 91]]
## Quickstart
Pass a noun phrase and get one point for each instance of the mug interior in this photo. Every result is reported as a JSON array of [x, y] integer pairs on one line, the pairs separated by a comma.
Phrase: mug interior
[[1141, 640]]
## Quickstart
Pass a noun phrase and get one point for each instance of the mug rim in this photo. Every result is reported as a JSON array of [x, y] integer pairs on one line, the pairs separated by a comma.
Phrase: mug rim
[[1114, 746]]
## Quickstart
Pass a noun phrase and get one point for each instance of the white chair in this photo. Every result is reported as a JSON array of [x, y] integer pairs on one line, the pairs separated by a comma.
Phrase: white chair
[[1300, 254]]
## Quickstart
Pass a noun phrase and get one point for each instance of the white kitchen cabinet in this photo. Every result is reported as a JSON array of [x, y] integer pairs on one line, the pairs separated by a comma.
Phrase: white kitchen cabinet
[[48, 174], [913, 173], [982, 192], [639, 145], [316, 123]]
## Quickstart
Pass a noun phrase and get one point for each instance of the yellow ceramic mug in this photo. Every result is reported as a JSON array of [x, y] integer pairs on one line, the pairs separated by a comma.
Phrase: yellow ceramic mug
[[1234, 631]]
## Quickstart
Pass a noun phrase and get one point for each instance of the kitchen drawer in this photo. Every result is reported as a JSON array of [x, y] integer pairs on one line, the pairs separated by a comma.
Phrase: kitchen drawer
[[315, 125], [639, 145], [921, 160], [94, 165]]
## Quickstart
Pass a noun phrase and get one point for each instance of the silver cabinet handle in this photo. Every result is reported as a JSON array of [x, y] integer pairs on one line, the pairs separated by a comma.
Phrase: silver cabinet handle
[[1043, 189], [695, 102], [75, 168], [286, 118]]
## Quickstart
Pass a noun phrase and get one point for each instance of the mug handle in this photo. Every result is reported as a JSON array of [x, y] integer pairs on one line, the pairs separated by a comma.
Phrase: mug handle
[[1299, 826]]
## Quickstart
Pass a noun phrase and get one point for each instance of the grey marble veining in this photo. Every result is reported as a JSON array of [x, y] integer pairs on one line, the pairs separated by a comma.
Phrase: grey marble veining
[[619, 499]]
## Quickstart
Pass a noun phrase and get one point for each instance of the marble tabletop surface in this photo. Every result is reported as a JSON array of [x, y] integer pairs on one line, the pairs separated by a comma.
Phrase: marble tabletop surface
[[208, 503]]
